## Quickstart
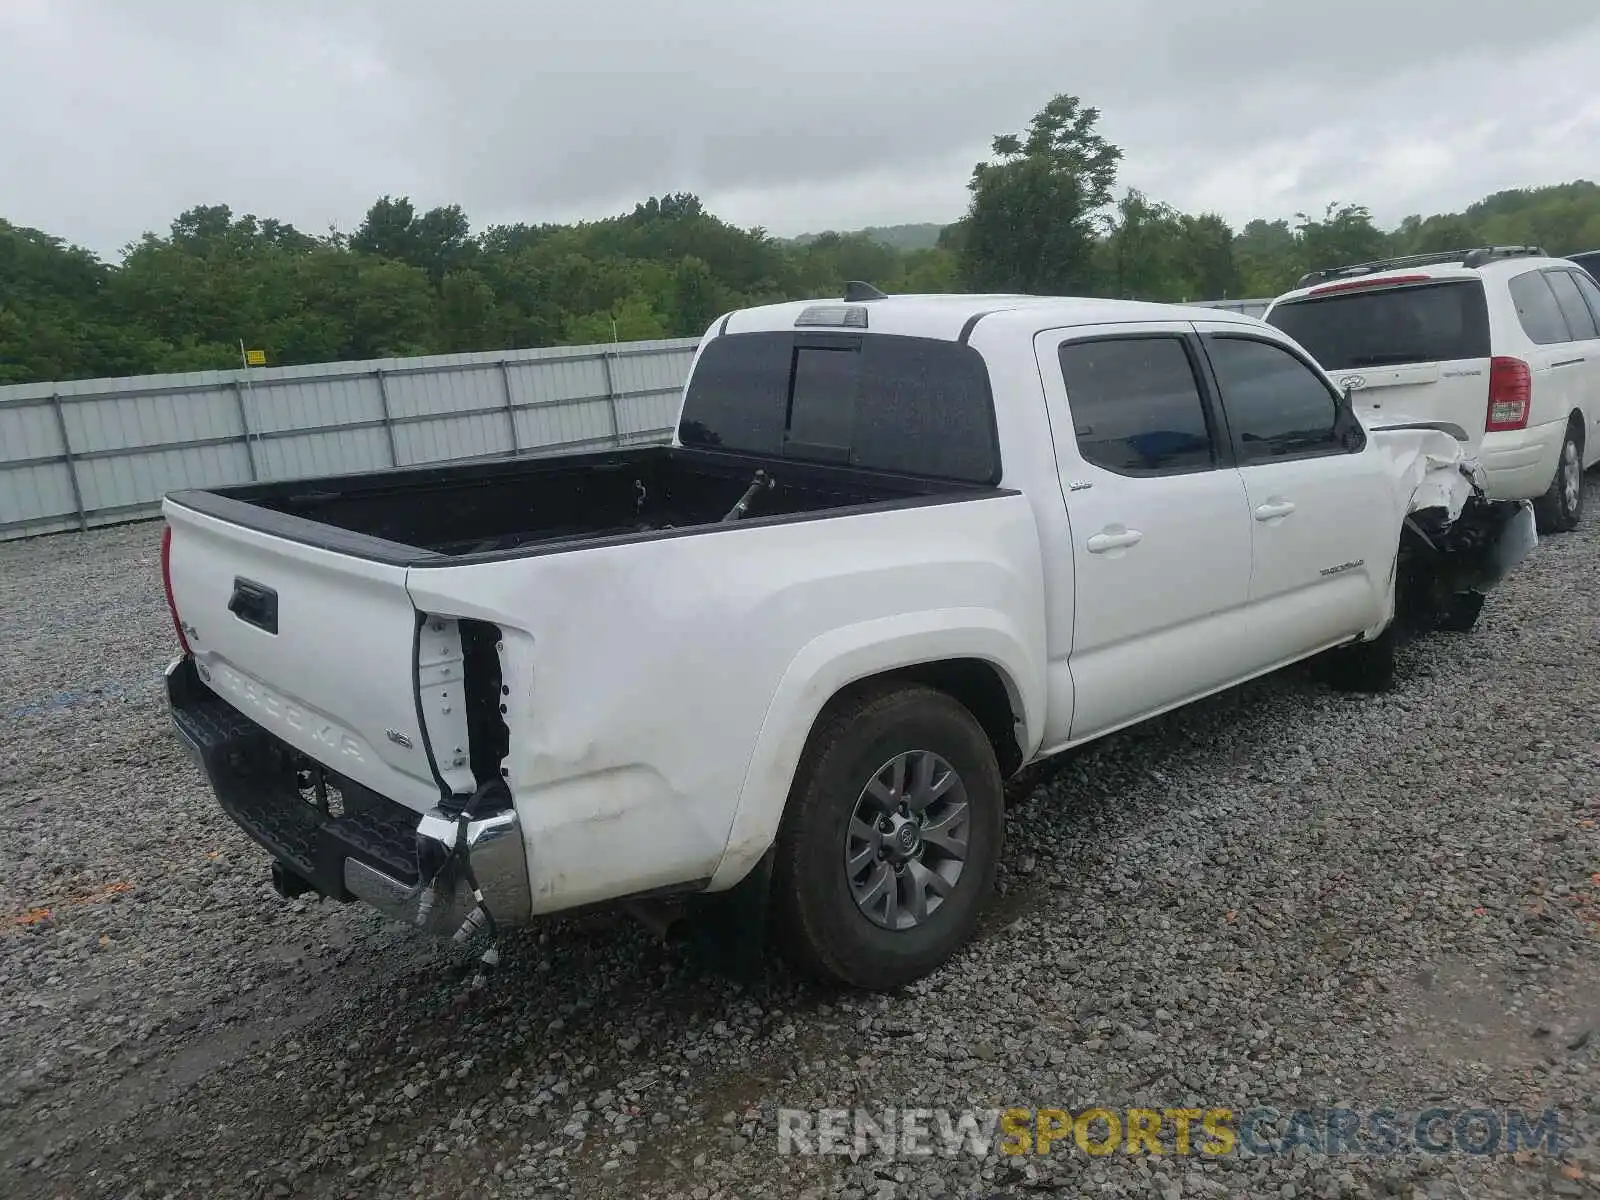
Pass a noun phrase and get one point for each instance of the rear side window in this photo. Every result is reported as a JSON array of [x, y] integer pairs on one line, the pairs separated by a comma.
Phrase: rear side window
[[1579, 319], [1537, 309], [913, 406], [1433, 322], [1276, 405], [1591, 292], [1136, 406]]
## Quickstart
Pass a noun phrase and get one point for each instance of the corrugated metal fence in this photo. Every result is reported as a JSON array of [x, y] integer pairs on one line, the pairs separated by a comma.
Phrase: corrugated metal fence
[[98, 451], [1250, 308]]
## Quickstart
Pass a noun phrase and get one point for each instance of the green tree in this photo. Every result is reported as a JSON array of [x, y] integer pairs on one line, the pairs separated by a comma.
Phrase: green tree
[[628, 320], [1039, 219], [695, 298], [1205, 258], [1140, 254], [1446, 231], [468, 318], [1344, 235], [1267, 253], [929, 271], [436, 241], [1037, 207]]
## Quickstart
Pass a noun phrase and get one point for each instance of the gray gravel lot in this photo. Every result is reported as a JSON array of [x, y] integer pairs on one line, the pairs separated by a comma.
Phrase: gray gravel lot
[[1280, 897]]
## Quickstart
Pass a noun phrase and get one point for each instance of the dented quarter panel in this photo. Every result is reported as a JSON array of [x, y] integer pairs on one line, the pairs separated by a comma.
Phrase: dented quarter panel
[[1426, 467], [654, 730]]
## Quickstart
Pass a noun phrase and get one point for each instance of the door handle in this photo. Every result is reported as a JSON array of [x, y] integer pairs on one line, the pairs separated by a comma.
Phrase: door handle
[[1101, 542], [1273, 509], [1566, 362]]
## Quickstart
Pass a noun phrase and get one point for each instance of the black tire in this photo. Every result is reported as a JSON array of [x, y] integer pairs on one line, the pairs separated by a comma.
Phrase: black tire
[[1561, 507], [817, 921]]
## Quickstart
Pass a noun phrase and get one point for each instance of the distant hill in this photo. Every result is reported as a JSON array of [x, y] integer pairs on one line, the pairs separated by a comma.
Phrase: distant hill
[[896, 237]]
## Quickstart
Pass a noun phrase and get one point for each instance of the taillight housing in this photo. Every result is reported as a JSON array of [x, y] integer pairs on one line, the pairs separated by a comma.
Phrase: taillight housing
[[1510, 395], [166, 584]]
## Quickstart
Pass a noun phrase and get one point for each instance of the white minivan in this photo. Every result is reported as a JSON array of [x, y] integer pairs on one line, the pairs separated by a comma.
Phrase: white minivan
[[1502, 341]]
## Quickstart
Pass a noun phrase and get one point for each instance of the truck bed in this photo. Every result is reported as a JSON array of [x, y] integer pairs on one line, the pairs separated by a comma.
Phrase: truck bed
[[492, 509]]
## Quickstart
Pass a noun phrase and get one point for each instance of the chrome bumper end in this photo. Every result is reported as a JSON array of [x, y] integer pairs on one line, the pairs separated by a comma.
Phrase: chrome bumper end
[[441, 906]]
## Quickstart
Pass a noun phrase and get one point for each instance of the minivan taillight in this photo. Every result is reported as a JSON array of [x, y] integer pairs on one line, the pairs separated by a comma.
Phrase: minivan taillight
[[1510, 394], [166, 584]]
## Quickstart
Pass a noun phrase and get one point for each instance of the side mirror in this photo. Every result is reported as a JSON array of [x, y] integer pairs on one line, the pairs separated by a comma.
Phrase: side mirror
[[1347, 423]]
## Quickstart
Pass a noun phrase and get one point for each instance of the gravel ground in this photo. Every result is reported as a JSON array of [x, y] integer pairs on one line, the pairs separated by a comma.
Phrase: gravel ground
[[1282, 896]]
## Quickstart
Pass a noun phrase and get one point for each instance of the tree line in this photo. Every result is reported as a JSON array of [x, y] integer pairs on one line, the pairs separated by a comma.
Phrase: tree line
[[1043, 216]]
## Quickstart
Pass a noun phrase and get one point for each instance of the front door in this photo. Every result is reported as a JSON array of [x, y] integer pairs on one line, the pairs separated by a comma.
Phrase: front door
[[1324, 531]]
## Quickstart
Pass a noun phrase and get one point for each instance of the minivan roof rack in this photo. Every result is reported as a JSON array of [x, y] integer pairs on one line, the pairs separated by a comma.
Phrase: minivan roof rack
[[1467, 258]]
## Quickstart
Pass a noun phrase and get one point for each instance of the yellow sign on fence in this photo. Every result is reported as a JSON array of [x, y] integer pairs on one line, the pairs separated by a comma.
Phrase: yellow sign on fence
[[255, 358]]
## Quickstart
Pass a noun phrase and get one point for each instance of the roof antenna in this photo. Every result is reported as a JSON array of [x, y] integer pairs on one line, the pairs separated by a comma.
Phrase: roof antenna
[[856, 291]]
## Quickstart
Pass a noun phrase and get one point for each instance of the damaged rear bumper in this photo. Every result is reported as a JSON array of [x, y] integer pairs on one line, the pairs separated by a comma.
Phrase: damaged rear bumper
[[372, 849]]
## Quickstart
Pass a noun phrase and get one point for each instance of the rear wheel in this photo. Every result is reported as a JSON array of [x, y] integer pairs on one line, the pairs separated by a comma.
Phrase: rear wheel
[[890, 840], [1561, 508]]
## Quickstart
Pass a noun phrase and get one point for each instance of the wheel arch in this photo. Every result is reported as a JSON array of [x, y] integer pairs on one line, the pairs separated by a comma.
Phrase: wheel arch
[[978, 659]]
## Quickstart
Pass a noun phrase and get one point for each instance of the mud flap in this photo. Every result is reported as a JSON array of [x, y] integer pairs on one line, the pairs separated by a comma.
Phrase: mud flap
[[1516, 541], [727, 932]]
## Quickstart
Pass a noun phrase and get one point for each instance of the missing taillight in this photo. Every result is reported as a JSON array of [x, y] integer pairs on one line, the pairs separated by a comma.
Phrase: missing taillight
[[166, 584], [488, 738]]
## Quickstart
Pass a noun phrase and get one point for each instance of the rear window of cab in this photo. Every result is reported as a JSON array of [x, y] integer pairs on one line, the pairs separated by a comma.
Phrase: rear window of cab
[[885, 402]]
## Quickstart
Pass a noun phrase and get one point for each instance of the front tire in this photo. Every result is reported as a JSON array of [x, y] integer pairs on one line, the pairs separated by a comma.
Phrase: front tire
[[890, 840], [1561, 508]]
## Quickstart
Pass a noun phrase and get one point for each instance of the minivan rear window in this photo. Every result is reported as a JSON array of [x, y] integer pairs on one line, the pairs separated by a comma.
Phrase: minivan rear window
[[1432, 322]]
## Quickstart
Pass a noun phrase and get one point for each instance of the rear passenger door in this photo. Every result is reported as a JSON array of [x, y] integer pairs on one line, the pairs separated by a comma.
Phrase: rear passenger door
[[1579, 300], [1160, 533], [1323, 537]]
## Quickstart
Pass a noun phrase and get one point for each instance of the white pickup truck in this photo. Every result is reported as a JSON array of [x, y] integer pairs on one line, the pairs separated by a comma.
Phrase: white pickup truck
[[899, 549]]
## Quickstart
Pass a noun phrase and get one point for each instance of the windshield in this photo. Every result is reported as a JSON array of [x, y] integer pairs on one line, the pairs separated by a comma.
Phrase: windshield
[[1434, 322]]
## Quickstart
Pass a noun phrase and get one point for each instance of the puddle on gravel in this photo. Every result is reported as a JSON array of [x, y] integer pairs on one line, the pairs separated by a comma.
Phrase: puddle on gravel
[[1461, 1012]]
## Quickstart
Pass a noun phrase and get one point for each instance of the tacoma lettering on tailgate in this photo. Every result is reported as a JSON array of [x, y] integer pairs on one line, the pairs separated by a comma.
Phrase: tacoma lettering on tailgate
[[282, 713]]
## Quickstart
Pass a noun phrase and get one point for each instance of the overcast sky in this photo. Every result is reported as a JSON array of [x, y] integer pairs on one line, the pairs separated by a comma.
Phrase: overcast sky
[[805, 115]]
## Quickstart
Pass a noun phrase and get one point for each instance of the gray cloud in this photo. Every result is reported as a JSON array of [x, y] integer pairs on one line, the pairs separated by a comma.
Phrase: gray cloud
[[823, 114]]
